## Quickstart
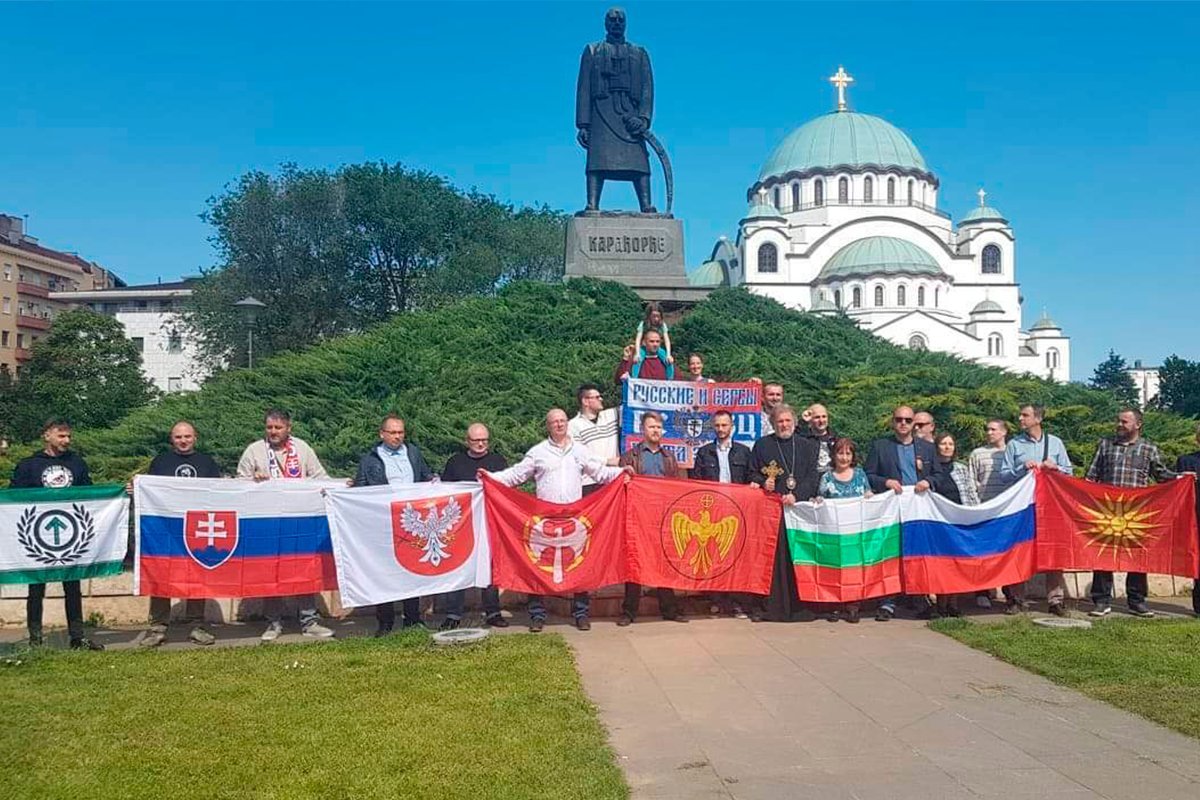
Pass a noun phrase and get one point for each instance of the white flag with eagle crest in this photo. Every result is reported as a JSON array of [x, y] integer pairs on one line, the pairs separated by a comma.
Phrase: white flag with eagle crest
[[399, 541]]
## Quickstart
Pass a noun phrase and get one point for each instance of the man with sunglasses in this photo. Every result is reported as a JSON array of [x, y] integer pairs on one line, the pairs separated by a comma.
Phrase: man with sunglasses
[[596, 428], [924, 426], [897, 461]]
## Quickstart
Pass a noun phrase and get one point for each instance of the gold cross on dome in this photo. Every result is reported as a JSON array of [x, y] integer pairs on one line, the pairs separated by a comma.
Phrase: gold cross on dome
[[982, 196], [841, 80]]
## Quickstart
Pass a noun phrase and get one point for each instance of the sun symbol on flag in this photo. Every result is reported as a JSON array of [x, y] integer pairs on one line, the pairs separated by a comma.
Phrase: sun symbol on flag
[[1119, 523]]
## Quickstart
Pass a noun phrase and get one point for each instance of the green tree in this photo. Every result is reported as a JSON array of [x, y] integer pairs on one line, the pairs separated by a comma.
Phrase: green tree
[[84, 370], [336, 252], [1112, 376], [1179, 386]]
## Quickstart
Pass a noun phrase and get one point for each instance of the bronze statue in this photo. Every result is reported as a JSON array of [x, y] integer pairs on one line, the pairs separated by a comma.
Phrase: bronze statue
[[614, 101]]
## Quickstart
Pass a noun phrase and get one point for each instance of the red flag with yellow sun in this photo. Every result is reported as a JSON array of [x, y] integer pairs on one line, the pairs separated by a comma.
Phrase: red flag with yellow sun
[[1083, 525]]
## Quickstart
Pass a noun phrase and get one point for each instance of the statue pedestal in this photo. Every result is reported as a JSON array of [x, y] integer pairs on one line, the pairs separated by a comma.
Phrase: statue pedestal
[[642, 251]]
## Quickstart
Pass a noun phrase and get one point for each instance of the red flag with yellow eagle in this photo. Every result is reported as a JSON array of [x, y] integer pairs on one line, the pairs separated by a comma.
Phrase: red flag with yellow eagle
[[1083, 525], [701, 536]]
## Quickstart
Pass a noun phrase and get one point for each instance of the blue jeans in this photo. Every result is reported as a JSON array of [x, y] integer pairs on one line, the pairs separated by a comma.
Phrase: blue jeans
[[456, 603], [580, 605]]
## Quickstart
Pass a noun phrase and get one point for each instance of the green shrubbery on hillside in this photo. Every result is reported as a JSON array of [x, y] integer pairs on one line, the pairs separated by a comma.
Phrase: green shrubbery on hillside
[[506, 360]]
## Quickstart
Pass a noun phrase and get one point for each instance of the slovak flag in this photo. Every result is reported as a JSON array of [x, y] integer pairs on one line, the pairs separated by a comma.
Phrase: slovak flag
[[210, 537], [399, 541]]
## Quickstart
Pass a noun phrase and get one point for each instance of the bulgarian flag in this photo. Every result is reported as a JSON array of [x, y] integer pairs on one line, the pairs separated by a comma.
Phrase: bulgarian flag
[[845, 550], [52, 535]]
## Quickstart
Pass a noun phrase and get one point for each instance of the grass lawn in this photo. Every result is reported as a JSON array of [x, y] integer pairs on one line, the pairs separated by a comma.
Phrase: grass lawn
[[359, 718], [1149, 668]]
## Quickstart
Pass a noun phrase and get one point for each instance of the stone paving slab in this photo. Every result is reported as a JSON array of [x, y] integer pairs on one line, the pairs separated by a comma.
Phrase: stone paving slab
[[725, 708]]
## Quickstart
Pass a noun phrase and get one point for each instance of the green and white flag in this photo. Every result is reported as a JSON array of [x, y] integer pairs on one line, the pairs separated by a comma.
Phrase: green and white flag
[[52, 535]]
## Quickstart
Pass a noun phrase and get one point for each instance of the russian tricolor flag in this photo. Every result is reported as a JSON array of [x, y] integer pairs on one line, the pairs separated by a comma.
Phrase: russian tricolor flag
[[948, 548], [209, 537]]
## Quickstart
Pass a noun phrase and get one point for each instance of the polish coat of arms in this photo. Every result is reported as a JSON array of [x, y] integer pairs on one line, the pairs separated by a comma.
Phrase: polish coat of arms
[[435, 536]]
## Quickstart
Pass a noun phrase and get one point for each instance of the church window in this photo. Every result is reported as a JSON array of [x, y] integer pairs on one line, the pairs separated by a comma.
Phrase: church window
[[837, 297], [1052, 358], [901, 296], [818, 192], [878, 296], [843, 190], [778, 206], [891, 190], [920, 295], [795, 197], [856, 301], [911, 184], [868, 189], [937, 293], [768, 258], [991, 260], [917, 342], [995, 345]]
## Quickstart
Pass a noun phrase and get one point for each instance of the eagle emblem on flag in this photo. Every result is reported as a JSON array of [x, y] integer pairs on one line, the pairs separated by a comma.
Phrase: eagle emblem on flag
[[703, 531], [425, 534]]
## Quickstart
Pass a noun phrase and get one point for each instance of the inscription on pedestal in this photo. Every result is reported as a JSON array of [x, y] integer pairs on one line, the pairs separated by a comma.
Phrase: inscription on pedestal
[[633, 249]]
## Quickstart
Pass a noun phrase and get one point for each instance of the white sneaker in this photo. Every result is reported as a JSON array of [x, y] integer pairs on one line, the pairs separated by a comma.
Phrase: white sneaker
[[317, 631], [983, 601], [201, 636], [272, 632], [156, 635]]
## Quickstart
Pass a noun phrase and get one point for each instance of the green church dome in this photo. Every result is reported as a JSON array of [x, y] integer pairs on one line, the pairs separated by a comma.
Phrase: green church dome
[[763, 210], [880, 255], [844, 139], [983, 214]]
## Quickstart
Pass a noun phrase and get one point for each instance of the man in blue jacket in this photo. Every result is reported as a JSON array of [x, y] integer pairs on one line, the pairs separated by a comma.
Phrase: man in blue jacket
[[897, 461], [394, 460]]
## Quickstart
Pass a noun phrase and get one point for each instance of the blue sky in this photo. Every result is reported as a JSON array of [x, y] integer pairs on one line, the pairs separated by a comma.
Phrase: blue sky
[[119, 121]]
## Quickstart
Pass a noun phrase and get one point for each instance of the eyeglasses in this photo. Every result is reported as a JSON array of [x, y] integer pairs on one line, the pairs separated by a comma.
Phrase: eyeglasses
[[902, 419], [478, 441], [922, 424]]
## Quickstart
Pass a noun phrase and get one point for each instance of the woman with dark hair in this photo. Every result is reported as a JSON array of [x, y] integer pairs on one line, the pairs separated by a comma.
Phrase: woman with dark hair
[[954, 482], [844, 479]]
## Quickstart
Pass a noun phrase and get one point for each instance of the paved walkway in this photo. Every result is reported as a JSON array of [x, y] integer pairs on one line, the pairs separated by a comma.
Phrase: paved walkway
[[730, 709]]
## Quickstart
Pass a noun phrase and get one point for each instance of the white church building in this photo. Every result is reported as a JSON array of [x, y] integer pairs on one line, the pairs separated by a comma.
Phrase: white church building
[[844, 216]]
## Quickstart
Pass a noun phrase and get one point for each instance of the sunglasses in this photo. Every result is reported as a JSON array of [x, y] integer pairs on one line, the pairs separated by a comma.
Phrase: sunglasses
[[902, 419], [922, 424]]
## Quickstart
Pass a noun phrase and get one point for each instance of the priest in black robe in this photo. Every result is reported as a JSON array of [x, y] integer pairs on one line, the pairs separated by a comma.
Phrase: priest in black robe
[[785, 463]]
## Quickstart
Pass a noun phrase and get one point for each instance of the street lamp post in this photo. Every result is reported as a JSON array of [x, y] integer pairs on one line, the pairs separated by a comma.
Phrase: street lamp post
[[249, 308]]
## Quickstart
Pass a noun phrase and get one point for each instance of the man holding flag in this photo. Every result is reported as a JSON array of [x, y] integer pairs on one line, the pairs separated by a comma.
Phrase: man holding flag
[[1129, 461]]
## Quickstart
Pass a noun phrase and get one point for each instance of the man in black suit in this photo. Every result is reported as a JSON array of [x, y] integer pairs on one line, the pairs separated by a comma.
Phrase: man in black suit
[[1191, 463], [897, 461], [725, 461]]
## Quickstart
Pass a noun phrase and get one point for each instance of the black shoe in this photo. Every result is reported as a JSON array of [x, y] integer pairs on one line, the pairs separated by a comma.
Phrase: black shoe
[[951, 611], [536, 625], [884, 615], [83, 643], [449, 624], [675, 618], [1015, 607], [383, 630], [35, 639], [832, 616], [496, 621], [624, 621], [1059, 610], [756, 615], [1102, 609], [583, 623], [1141, 610], [853, 616]]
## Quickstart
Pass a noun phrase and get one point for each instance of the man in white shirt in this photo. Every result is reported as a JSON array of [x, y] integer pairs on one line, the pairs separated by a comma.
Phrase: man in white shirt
[[984, 464], [595, 427], [558, 465]]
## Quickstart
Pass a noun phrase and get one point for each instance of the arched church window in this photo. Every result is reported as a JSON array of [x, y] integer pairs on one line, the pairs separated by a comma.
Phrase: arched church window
[[819, 192], [768, 258], [856, 298], [911, 185], [920, 296], [795, 197], [937, 293], [837, 297], [891, 191], [901, 296], [995, 345], [868, 190], [843, 190], [991, 260], [1052, 358], [917, 342], [778, 205], [878, 296]]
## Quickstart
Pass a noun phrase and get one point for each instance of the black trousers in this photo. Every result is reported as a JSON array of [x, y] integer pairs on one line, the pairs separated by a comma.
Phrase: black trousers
[[72, 599], [385, 613], [667, 604], [1137, 586]]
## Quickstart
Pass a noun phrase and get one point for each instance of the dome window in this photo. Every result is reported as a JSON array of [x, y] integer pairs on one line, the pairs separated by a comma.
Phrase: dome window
[[891, 191], [818, 192], [917, 342], [911, 185], [843, 191], [920, 296], [778, 205], [878, 296], [837, 297], [868, 190], [995, 345], [991, 260], [768, 258], [856, 301], [795, 197], [901, 296]]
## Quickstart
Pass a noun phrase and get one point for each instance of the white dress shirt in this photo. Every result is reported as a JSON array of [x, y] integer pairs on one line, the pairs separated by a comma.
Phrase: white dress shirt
[[558, 472]]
